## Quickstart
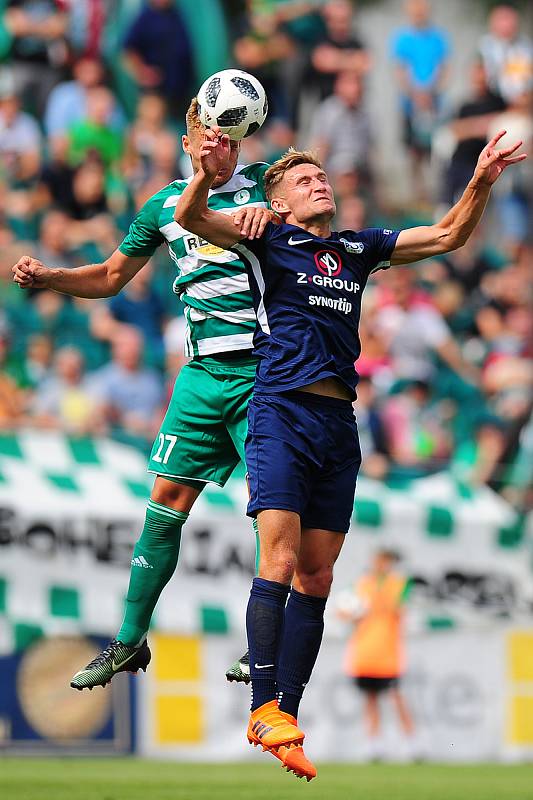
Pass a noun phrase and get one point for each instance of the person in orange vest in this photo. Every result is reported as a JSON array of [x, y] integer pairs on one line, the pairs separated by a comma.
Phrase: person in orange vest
[[375, 656]]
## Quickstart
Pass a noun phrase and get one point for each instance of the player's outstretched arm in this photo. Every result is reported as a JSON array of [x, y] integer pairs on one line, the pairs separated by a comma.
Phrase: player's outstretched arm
[[455, 227], [192, 211], [92, 280]]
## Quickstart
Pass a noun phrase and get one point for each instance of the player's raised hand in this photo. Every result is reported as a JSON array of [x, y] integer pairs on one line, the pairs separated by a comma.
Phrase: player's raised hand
[[492, 162], [215, 151], [252, 221], [30, 273]]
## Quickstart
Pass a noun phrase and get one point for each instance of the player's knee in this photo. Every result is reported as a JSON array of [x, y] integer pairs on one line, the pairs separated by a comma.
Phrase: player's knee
[[278, 565], [177, 496], [316, 582]]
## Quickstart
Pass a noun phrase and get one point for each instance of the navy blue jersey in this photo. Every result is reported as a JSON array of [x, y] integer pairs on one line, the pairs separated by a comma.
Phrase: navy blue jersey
[[307, 296]]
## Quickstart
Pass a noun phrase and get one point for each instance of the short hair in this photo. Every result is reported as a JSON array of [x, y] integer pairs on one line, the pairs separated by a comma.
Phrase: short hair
[[292, 158], [192, 117]]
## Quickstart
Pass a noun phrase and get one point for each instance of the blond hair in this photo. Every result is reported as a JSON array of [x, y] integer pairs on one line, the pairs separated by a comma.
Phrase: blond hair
[[292, 158], [192, 117]]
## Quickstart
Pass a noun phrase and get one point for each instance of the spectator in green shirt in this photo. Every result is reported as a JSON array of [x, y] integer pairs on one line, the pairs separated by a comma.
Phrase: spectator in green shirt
[[94, 134]]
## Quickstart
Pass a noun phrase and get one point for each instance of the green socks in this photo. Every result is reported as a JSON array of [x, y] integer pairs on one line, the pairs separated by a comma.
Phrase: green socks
[[154, 560]]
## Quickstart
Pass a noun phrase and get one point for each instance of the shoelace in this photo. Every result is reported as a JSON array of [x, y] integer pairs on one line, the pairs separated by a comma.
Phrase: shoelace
[[101, 657]]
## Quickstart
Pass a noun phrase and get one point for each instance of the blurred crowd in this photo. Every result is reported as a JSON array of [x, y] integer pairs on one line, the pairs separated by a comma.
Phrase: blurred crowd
[[92, 98]]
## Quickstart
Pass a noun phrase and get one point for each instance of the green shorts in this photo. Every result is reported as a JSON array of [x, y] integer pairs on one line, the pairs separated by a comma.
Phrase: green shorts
[[203, 433]]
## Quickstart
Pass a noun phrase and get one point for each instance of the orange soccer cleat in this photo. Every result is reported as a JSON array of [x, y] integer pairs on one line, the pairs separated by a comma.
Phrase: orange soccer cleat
[[294, 758], [271, 729], [278, 733]]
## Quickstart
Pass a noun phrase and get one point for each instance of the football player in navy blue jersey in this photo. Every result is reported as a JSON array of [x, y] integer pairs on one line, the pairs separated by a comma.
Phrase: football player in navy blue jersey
[[302, 449]]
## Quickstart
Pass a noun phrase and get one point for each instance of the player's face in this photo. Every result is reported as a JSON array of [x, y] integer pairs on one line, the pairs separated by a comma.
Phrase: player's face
[[306, 194], [192, 143], [382, 564]]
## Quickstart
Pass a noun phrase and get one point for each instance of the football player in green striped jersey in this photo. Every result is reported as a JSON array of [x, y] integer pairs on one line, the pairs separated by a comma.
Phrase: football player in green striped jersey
[[202, 436]]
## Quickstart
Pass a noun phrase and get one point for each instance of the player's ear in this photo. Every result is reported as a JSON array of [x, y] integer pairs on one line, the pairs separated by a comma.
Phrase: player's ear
[[185, 143], [279, 205]]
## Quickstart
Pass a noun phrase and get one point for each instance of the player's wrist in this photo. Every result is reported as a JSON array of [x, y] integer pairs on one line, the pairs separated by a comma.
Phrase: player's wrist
[[206, 176], [50, 277], [480, 181]]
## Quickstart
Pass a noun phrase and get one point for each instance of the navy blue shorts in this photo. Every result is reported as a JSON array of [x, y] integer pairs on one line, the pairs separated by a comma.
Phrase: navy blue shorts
[[303, 455]]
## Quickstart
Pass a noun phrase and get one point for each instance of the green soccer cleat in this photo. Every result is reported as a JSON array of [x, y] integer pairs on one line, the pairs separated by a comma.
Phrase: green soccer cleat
[[240, 670], [116, 657]]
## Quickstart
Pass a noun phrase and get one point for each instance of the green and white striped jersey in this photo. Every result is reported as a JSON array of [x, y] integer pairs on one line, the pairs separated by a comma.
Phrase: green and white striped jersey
[[211, 282]]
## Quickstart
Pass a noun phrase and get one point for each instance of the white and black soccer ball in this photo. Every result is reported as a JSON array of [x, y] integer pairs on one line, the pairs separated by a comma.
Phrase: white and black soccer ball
[[349, 606], [235, 101]]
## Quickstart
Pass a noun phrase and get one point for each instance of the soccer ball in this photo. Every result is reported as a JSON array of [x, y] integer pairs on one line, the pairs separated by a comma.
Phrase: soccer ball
[[235, 101], [349, 606]]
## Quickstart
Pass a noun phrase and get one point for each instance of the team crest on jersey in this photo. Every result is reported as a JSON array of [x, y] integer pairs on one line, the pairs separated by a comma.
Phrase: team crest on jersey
[[352, 247], [241, 197], [328, 262]]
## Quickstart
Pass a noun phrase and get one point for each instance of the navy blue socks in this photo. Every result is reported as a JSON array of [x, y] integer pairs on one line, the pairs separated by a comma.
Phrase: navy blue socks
[[264, 626], [302, 636]]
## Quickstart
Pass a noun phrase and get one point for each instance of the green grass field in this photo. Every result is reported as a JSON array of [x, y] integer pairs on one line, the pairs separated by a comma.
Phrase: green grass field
[[133, 779]]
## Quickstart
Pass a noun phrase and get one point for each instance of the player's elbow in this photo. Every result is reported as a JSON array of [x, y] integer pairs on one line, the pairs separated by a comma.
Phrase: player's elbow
[[114, 281], [447, 239], [181, 216], [188, 218]]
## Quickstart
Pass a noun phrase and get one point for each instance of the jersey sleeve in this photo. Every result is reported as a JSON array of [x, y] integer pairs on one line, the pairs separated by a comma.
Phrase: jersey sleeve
[[144, 236], [379, 247], [256, 172]]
